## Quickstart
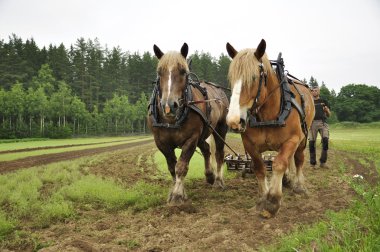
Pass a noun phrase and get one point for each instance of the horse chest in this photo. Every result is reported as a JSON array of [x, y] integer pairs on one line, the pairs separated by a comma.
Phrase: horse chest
[[270, 144]]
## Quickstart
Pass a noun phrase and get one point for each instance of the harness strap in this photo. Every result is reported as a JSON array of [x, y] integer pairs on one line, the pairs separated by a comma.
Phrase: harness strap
[[301, 111], [287, 100], [185, 108], [153, 110]]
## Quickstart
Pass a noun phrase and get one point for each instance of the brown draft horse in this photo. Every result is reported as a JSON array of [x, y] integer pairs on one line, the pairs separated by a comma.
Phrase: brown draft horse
[[289, 141], [171, 102]]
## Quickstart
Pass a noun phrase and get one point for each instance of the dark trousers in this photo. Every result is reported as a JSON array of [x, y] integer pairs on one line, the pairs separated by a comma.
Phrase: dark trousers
[[322, 128]]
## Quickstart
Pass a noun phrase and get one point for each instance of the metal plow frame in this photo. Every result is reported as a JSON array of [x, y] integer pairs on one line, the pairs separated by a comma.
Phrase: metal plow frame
[[244, 162]]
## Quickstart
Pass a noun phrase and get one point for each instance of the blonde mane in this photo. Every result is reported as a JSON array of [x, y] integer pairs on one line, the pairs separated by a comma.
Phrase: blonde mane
[[172, 59], [245, 66]]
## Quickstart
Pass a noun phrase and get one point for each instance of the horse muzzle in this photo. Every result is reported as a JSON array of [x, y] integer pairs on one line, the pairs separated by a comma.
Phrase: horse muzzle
[[238, 127], [170, 108]]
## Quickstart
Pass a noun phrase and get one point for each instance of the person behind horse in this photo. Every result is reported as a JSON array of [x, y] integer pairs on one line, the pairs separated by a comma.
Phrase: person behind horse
[[319, 124]]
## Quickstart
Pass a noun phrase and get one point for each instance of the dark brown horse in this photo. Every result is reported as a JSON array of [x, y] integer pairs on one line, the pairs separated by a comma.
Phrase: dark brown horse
[[257, 99], [183, 113]]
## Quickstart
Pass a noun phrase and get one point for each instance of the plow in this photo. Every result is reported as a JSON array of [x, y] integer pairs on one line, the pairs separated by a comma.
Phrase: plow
[[244, 162]]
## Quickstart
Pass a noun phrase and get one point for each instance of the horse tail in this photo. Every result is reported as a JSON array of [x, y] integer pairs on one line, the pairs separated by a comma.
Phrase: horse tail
[[211, 142]]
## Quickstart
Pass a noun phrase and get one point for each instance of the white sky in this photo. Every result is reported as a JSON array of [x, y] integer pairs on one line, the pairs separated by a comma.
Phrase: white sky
[[336, 41]]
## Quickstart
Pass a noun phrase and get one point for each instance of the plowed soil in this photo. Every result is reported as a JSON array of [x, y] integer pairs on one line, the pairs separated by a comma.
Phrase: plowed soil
[[212, 219]]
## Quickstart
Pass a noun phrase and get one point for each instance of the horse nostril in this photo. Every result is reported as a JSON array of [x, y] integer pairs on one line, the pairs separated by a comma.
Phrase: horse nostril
[[175, 105], [242, 122]]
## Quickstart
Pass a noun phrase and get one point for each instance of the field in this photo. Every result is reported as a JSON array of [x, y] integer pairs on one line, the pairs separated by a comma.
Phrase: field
[[113, 198]]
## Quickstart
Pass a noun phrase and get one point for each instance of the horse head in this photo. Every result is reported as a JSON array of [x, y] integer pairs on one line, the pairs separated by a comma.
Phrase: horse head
[[172, 70], [247, 77]]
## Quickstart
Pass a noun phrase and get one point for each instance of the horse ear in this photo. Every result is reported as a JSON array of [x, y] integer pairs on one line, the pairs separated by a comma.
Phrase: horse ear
[[157, 52], [231, 51], [184, 50], [260, 50]]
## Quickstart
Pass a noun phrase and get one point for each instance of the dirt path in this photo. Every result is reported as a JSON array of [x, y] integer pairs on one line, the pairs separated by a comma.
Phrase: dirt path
[[59, 146], [7, 166]]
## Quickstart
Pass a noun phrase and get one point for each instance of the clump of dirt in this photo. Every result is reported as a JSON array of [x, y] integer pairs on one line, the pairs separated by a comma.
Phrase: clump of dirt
[[212, 219]]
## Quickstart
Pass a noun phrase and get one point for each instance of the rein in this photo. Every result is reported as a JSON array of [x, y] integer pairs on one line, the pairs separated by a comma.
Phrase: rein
[[266, 99]]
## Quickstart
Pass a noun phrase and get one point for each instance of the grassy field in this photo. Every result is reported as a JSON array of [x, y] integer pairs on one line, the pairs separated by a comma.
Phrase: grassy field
[[35, 143], [195, 162], [39, 197], [85, 143]]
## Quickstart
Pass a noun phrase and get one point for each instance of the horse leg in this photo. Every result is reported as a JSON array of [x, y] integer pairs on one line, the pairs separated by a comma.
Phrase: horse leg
[[206, 152], [299, 158], [219, 153], [171, 159], [280, 164], [260, 170], [177, 195], [288, 178]]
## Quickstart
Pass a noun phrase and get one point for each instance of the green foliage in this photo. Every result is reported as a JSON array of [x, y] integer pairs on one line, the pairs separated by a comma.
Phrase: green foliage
[[73, 87], [359, 103], [6, 226], [56, 132]]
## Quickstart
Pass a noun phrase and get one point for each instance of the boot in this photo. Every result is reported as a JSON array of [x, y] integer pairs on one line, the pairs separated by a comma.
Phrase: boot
[[313, 160], [323, 158]]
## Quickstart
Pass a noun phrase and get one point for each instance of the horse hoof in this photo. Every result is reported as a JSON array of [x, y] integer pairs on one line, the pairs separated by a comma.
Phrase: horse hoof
[[176, 199], [210, 178], [260, 204], [219, 183], [268, 206], [287, 182], [300, 190]]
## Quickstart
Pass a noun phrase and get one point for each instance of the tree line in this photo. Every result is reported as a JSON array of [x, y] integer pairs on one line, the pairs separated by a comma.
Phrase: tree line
[[91, 89]]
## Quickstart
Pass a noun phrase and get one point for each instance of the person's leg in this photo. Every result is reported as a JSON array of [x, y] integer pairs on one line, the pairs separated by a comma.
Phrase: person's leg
[[312, 137], [325, 144]]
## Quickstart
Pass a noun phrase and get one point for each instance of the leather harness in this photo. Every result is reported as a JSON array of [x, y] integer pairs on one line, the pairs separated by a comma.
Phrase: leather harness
[[287, 102], [287, 99], [187, 103]]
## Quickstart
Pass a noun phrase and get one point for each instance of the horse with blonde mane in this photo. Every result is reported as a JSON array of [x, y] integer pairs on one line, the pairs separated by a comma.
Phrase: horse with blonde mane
[[272, 113], [185, 113]]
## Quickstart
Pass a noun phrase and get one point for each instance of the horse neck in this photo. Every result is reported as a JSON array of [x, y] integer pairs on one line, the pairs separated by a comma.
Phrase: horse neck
[[271, 100]]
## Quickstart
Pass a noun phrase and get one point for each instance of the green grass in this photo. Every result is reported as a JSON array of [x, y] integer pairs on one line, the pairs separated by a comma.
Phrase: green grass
[[40, 196], [196, 166], [108, 194], [23, 140], [354, 229], [355, 125], [19, 155], [6, 225], [4, 146]]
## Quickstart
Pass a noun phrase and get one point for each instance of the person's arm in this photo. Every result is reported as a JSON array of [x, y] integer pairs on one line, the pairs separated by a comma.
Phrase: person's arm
[[326, 108], [327, 111]]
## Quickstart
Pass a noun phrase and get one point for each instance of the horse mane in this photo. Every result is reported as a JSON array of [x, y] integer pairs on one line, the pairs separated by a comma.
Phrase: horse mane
[[170, 59], [245, 66]]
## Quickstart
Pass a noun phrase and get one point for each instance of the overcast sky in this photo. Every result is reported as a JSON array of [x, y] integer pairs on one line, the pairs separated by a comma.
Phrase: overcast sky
[[336, 41]]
